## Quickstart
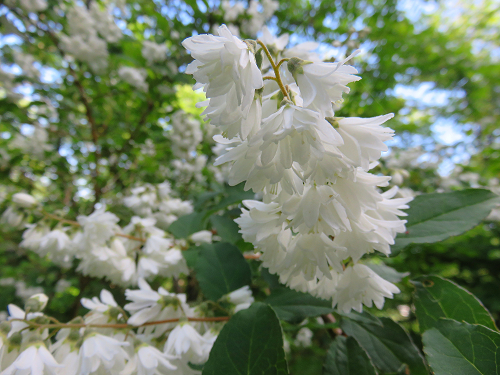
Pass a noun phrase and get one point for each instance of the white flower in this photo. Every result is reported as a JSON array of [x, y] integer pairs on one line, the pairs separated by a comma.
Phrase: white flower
[[184, 341], [322, 83], [36, 360], [241, 297], [304, 337], [224, 65], [12, 217], [100, 308], [36, 302], [99, 227], [364, 138], [24, 200], [203, 236], [101, 352], [148, 361], [134, 76], [360, 285]]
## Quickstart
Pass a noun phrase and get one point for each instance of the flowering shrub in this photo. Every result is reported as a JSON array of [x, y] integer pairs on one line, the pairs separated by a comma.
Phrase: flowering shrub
[[221, 227]]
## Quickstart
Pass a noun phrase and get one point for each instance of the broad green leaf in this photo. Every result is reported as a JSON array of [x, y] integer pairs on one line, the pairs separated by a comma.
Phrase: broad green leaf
[[220, 269], [233, 195], [435, 217], [291, 305], [386, 272], [363, 317], [437, 298], [251, 343], [389, 346], [226, 228], [454, 348], [186, 225], [346, 357]]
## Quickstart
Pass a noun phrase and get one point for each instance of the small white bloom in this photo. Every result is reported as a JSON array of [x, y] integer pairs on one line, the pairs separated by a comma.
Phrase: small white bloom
[[360, 285], [36, 360], [24, 200], [204, 236]]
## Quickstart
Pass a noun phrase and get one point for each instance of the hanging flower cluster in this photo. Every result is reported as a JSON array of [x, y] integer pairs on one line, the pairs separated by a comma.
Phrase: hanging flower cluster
[[322, 209], [122, 255], [156, 332]]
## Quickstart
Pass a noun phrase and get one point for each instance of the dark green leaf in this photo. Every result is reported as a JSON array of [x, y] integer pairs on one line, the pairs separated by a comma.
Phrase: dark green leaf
[[293, 306], [387, 273], [454, 348], [186, 225], [364, 317], [233, 195], [346, 357], [220, 269], [435, 217], [389, 346], [251, 343], [226, 228], [437, 298]]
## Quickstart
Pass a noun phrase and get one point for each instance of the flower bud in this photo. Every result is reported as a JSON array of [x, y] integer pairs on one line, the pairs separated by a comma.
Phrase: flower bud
[[36, 302], [24, 200], [5, 327], [15, 339]]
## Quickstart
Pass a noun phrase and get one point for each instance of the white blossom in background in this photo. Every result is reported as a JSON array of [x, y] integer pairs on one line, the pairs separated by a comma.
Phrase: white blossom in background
[[26, 63], [321, 205], [30, 6], [87, 28], [185, 135], [34, 144], [154, 52], [134, 76]]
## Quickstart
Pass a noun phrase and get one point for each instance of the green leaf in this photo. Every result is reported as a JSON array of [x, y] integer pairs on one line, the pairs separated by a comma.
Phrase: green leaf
[[435, 217], [454, 348], [233, 195], [291, 305], [346, 357], [386, 272], [251, 343], [363, 317], [389, 346], [226, 228], [220, 269], [437, 298], [186, 225]]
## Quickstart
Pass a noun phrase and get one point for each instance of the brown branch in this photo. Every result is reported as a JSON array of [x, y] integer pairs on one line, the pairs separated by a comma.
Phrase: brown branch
[[121, 325]]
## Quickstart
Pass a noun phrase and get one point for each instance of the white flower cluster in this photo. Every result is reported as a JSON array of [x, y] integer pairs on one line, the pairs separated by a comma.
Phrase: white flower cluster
[[156, 201], [253, 17], [322, 210], [89, 32], [34, 144], [27, 64], [185, 135], [8, 87], [154, 52], [30, 6], [135, 77], [142, 344], [102, 247]]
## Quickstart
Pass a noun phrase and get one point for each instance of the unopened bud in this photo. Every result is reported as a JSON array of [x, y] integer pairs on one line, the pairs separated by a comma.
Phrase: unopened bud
[[36, 302], [24, 200], [5, 327], [295, 66], [114, 312], [15, 339], [74, 335]]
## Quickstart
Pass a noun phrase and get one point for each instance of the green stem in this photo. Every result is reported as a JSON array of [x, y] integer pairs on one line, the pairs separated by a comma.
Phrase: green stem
[[276, 69]]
